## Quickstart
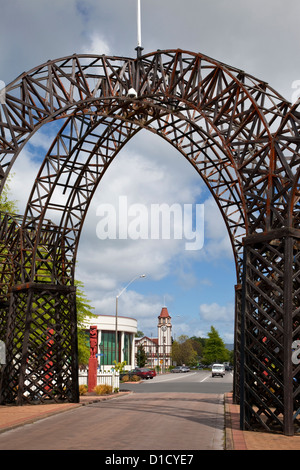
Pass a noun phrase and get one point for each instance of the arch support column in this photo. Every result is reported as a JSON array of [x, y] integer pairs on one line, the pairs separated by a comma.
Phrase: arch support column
[[270, 329], [237, 343]]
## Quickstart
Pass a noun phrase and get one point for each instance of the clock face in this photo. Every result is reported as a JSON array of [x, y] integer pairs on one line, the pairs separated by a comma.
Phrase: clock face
[[163, 328]]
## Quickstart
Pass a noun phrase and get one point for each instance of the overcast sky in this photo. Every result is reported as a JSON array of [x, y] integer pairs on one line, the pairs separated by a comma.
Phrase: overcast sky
[[260, 37]]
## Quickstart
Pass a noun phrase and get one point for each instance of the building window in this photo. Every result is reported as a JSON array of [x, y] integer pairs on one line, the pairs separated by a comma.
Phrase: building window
[[107, 347], [127, 348]]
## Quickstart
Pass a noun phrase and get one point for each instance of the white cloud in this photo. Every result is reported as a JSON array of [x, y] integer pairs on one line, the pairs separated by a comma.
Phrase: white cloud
[[214, 312], [219, 316], [145, 179], [24, 173], [131, 304], [96, 44]]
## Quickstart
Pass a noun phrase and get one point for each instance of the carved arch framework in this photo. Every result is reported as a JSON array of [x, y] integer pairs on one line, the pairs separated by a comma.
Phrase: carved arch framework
[[241, 137]]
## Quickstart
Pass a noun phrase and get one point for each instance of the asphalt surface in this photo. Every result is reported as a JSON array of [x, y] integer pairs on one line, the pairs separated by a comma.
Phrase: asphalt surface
[[147, 421], [176, 418], [190, 382], [161, 419]]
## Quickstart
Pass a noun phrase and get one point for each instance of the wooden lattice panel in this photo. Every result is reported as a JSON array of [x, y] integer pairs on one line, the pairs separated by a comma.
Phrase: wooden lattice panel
[[42, 356], [271, 323]]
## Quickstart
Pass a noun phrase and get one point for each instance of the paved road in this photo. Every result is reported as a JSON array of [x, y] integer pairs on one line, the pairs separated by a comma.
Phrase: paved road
[[194, 381], [169, 420]]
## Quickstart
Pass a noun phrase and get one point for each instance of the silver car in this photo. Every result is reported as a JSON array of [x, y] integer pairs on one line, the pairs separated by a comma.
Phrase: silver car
[[180, 369], [176, 369]]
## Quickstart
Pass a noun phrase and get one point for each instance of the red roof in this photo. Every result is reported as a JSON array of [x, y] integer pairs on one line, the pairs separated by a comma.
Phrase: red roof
[[153, 340], [164, 313]]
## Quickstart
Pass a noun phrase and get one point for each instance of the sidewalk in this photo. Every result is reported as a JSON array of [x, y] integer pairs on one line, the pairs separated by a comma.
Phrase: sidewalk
[[235, 439], [250, 440], [15, 416]]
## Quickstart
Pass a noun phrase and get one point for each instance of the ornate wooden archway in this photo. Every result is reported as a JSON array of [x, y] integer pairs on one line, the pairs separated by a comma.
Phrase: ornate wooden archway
[[241, 137]]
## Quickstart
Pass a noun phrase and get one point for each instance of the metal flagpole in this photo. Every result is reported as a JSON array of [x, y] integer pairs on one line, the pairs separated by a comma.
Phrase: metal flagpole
[[139, 33]]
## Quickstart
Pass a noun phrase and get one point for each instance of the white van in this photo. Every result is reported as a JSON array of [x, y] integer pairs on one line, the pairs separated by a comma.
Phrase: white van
[[218, 369]]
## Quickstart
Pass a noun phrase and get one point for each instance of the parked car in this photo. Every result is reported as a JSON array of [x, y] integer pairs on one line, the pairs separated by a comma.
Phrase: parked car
[[176, 369], [180, 369], [218, 369], [143, 372]]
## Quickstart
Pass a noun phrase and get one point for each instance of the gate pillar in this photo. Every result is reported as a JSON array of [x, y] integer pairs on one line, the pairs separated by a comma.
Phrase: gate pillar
[[270, 331], [237, 343], [41, 345]]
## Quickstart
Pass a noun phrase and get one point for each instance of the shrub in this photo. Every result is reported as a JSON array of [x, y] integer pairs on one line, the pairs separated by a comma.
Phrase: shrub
[[119, 366], [83, 389], [103, 389], [125, 378], [135, 378]]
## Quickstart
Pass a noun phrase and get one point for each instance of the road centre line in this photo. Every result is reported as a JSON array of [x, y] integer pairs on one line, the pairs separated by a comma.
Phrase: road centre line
[[205, 378]]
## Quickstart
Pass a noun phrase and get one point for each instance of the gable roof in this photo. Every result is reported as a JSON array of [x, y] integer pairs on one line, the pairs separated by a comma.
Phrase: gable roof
[[152, 340]]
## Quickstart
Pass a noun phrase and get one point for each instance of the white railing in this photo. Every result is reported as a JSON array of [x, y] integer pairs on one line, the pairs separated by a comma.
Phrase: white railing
[[103, 378]]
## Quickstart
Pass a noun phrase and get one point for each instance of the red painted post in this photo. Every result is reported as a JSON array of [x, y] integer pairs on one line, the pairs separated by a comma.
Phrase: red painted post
[[93, 363], [48, 362]]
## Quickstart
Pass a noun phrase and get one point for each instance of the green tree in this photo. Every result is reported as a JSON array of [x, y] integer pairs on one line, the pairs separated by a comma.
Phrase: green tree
[[7, 205], [139, 334], [84, 313], [176, 353], [214, 350], [183, 351], [6, 202], [141, 356], [198, 345]]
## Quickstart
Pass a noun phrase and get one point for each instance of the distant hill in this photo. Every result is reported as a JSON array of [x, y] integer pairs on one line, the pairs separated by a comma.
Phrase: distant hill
[[230, 347]]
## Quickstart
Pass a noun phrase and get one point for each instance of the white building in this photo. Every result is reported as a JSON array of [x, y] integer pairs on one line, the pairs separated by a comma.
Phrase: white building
[[106, 339], [158, 350]]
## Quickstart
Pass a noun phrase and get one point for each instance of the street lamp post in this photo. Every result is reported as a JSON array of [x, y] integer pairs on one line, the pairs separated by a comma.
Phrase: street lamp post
[[117, 297]]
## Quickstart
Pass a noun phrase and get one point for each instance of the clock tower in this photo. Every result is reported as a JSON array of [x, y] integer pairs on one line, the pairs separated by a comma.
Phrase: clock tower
[[164, 338]]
